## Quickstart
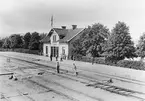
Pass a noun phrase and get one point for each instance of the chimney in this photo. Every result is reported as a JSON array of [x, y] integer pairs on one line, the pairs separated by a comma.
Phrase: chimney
[[63, 27], [74, 26]]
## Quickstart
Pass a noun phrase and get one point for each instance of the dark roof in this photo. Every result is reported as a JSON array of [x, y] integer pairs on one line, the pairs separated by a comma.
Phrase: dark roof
[[71, 34], [45, 39], [61, 31], [67, 33]]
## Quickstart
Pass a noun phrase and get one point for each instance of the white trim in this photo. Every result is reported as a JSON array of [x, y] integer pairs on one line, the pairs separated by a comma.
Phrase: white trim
[[75, 35]]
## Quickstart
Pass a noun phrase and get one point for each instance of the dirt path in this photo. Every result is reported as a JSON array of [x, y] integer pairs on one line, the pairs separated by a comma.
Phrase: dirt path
[[49, 86]]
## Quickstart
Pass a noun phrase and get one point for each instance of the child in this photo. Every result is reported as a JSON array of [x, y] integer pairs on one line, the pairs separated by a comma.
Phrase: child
[[75, 69]]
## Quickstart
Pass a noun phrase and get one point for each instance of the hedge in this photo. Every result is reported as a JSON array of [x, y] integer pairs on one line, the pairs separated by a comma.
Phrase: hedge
[[138, 65], [21, 50]]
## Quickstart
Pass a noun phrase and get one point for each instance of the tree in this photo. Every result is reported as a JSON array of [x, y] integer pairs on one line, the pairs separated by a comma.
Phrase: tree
[[141, 46], [1, 43], [95, 39], [42, 35], [119, 44], [6, 43], [16, 41], [78, 48], [91, 41], [34, 41], [27, 38]]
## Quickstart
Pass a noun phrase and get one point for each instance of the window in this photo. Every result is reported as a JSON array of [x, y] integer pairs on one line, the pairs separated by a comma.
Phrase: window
[[54, 38], [63, 50], [54, 51]]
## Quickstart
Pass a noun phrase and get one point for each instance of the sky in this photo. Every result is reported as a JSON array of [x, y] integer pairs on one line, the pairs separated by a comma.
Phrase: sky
[[21, 16]]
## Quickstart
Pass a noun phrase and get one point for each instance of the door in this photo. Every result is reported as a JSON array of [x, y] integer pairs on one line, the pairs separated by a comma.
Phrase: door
[[46, 50], [54, 51]]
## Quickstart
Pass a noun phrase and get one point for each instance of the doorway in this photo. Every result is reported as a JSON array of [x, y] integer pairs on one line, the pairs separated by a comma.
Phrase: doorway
[[46, 50], [54, 51]]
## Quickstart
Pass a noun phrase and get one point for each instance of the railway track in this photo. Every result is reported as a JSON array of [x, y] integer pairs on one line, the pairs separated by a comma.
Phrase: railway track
[[97, 84], [91, 98], [48, 89], [53, 90], [122, 79]]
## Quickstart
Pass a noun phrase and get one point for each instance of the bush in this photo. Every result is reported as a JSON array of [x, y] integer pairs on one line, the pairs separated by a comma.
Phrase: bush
[[100, 60], [21, 50], [86, 59], [139, 65], [78, 58]]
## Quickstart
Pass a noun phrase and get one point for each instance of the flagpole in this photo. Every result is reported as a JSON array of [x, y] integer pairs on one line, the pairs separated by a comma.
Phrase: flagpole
[[52, 21]]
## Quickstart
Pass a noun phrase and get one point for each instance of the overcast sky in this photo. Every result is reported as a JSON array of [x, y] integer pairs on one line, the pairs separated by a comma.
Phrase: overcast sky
[[21, 16]]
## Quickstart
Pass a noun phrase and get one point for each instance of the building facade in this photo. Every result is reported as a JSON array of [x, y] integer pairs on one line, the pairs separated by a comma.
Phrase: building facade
[[58, 41]]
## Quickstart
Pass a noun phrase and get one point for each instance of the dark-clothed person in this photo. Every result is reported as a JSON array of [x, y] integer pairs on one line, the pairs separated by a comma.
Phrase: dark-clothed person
[[57, 67], [51, 57]]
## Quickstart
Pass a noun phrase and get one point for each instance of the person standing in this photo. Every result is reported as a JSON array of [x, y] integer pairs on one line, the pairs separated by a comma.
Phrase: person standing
[[72, 57], [56, 57], [93, 60], [57, 66], [51, 57], [61, 57], [75, 68]]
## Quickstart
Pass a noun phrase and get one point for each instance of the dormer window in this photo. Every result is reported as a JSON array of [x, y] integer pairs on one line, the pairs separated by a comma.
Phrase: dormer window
[[54, 38]]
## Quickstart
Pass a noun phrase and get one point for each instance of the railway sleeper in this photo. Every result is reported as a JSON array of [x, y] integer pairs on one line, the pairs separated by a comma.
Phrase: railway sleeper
[[112, 89]]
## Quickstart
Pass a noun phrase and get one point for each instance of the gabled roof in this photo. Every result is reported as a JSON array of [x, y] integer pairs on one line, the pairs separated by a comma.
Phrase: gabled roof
[[71, 34], [45, 39], [67, 33], [61, 31]]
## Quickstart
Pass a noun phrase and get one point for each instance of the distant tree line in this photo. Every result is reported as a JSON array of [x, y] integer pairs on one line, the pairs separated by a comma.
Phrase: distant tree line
[[115, 45], [29, 41], [96, 41]]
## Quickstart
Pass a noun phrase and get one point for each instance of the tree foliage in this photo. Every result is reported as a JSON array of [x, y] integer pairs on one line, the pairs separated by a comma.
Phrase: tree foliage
[[141, 46], [95, 39], [119, 44], [34, 41], [6, 43], [1, 42], [16, 41], [42, 35], [92, 40], [27, 38], [77, 48]]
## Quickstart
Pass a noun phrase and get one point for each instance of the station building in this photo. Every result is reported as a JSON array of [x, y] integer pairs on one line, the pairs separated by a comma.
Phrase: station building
[[59, 41]]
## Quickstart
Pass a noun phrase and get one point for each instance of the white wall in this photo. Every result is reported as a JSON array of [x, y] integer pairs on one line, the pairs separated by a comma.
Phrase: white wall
[[51, 39], [50, 44], [65, 45], [61, 45], [44, 49]]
